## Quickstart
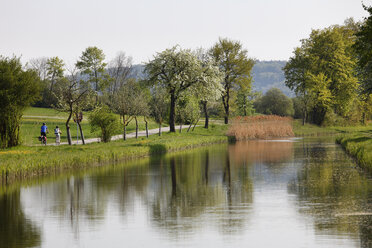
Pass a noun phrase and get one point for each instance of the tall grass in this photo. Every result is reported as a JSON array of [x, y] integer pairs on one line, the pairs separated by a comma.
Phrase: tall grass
[[260, 127]]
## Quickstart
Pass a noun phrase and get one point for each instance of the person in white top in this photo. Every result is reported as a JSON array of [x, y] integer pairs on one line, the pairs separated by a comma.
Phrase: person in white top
[[57, 132]]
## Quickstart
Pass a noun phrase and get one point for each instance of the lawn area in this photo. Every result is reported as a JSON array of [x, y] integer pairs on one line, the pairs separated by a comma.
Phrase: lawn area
[[33, 118], [27, 161]]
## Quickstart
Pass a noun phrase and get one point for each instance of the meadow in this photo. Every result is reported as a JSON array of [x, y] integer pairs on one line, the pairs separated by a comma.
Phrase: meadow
[[33, 118]]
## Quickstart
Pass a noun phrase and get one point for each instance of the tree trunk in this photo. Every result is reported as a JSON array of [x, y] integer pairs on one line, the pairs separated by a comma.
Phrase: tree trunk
[[159, 129], [304, 117], [195, 124], [225, 100], [206, 114], [172, 112], [135, 118], [189, 127], [125, 128], [147, 130], [180, 128], [81, 134], [125, 132], [68, 129]]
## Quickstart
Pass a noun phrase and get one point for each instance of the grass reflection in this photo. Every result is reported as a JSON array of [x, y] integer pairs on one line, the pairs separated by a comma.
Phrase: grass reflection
[[334, 192]]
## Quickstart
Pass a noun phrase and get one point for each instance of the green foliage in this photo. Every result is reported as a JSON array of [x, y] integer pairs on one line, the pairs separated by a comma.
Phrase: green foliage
[[233, 61], [177, 70], [18, 89], [159, 104], [102, 118], [91, 64], [362, 48], [321, 72], [187, 109], [274, 102], [245, 99]]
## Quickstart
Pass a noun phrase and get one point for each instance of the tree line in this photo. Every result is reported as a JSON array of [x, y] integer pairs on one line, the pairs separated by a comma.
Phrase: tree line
[[180, 85], [331, 74]]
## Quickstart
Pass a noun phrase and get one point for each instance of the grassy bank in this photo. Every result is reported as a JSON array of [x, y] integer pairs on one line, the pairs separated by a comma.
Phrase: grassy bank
[[359, 145], [26, 161]]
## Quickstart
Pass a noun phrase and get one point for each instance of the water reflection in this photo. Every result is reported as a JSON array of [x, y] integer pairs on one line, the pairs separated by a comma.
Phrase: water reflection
[[260, 151], [16, 230], [223, 195], [333, 192], [191, 189]]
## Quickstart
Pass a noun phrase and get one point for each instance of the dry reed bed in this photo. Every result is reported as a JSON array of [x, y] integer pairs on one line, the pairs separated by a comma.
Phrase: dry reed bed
[[260, 127]]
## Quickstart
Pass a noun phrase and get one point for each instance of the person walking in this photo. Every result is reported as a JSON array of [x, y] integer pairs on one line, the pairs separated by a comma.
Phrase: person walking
[[58, 132]]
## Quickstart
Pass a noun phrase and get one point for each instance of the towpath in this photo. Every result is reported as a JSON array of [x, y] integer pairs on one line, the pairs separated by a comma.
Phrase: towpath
[[51, 139]]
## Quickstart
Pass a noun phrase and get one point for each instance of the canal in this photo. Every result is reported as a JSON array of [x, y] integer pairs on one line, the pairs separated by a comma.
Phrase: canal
[[276, 193]]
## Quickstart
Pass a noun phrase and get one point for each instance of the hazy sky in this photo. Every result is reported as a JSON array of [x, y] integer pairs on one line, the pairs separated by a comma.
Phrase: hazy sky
[[268, 29]]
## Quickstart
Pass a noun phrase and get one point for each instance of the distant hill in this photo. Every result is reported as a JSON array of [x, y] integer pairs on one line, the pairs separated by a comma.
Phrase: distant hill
[[266, 74], [269, 74]]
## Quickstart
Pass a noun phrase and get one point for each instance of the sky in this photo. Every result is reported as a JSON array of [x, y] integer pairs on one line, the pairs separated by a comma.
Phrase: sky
[[268, 29]]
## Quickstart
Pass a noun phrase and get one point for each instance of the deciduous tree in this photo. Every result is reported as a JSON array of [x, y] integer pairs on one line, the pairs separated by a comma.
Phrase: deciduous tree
[[177, 70], [92, 64], [234, 62], [18, 89], [72, 95]]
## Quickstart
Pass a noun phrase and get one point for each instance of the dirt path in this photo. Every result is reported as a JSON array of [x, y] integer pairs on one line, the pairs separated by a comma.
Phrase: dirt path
[[51, 139]]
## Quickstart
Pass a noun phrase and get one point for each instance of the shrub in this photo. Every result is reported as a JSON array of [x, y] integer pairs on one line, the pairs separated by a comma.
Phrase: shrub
[[274, 102], [102, 118]]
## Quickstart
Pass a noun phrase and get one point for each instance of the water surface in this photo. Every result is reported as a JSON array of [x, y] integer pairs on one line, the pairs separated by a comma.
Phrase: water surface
[[292, 193]]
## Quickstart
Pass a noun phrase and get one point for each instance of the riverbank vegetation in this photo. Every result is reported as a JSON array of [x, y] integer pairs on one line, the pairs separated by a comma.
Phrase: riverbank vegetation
[[27, 161], [327, 74], [358, 143], [260, 127]]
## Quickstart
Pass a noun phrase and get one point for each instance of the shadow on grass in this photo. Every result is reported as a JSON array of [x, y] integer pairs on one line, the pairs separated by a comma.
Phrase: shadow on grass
[[359, 139]]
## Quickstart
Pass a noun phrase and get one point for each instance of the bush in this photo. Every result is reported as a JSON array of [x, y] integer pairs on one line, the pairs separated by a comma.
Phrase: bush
[[274, 102], [102, 118]]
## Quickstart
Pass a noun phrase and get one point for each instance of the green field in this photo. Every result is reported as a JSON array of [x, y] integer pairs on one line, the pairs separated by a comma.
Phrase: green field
[[33, 118]]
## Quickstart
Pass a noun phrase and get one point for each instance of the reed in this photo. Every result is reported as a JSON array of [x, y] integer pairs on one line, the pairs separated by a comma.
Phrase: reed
[[260, 127]]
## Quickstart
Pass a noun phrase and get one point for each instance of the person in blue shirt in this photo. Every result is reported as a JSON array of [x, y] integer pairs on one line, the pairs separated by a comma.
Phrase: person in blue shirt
[[44, 130]]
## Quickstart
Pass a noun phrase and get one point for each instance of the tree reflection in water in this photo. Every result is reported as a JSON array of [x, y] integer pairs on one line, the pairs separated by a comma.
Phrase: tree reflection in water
[[203, 188], [199, 191], [15, 229], [330, 189]]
